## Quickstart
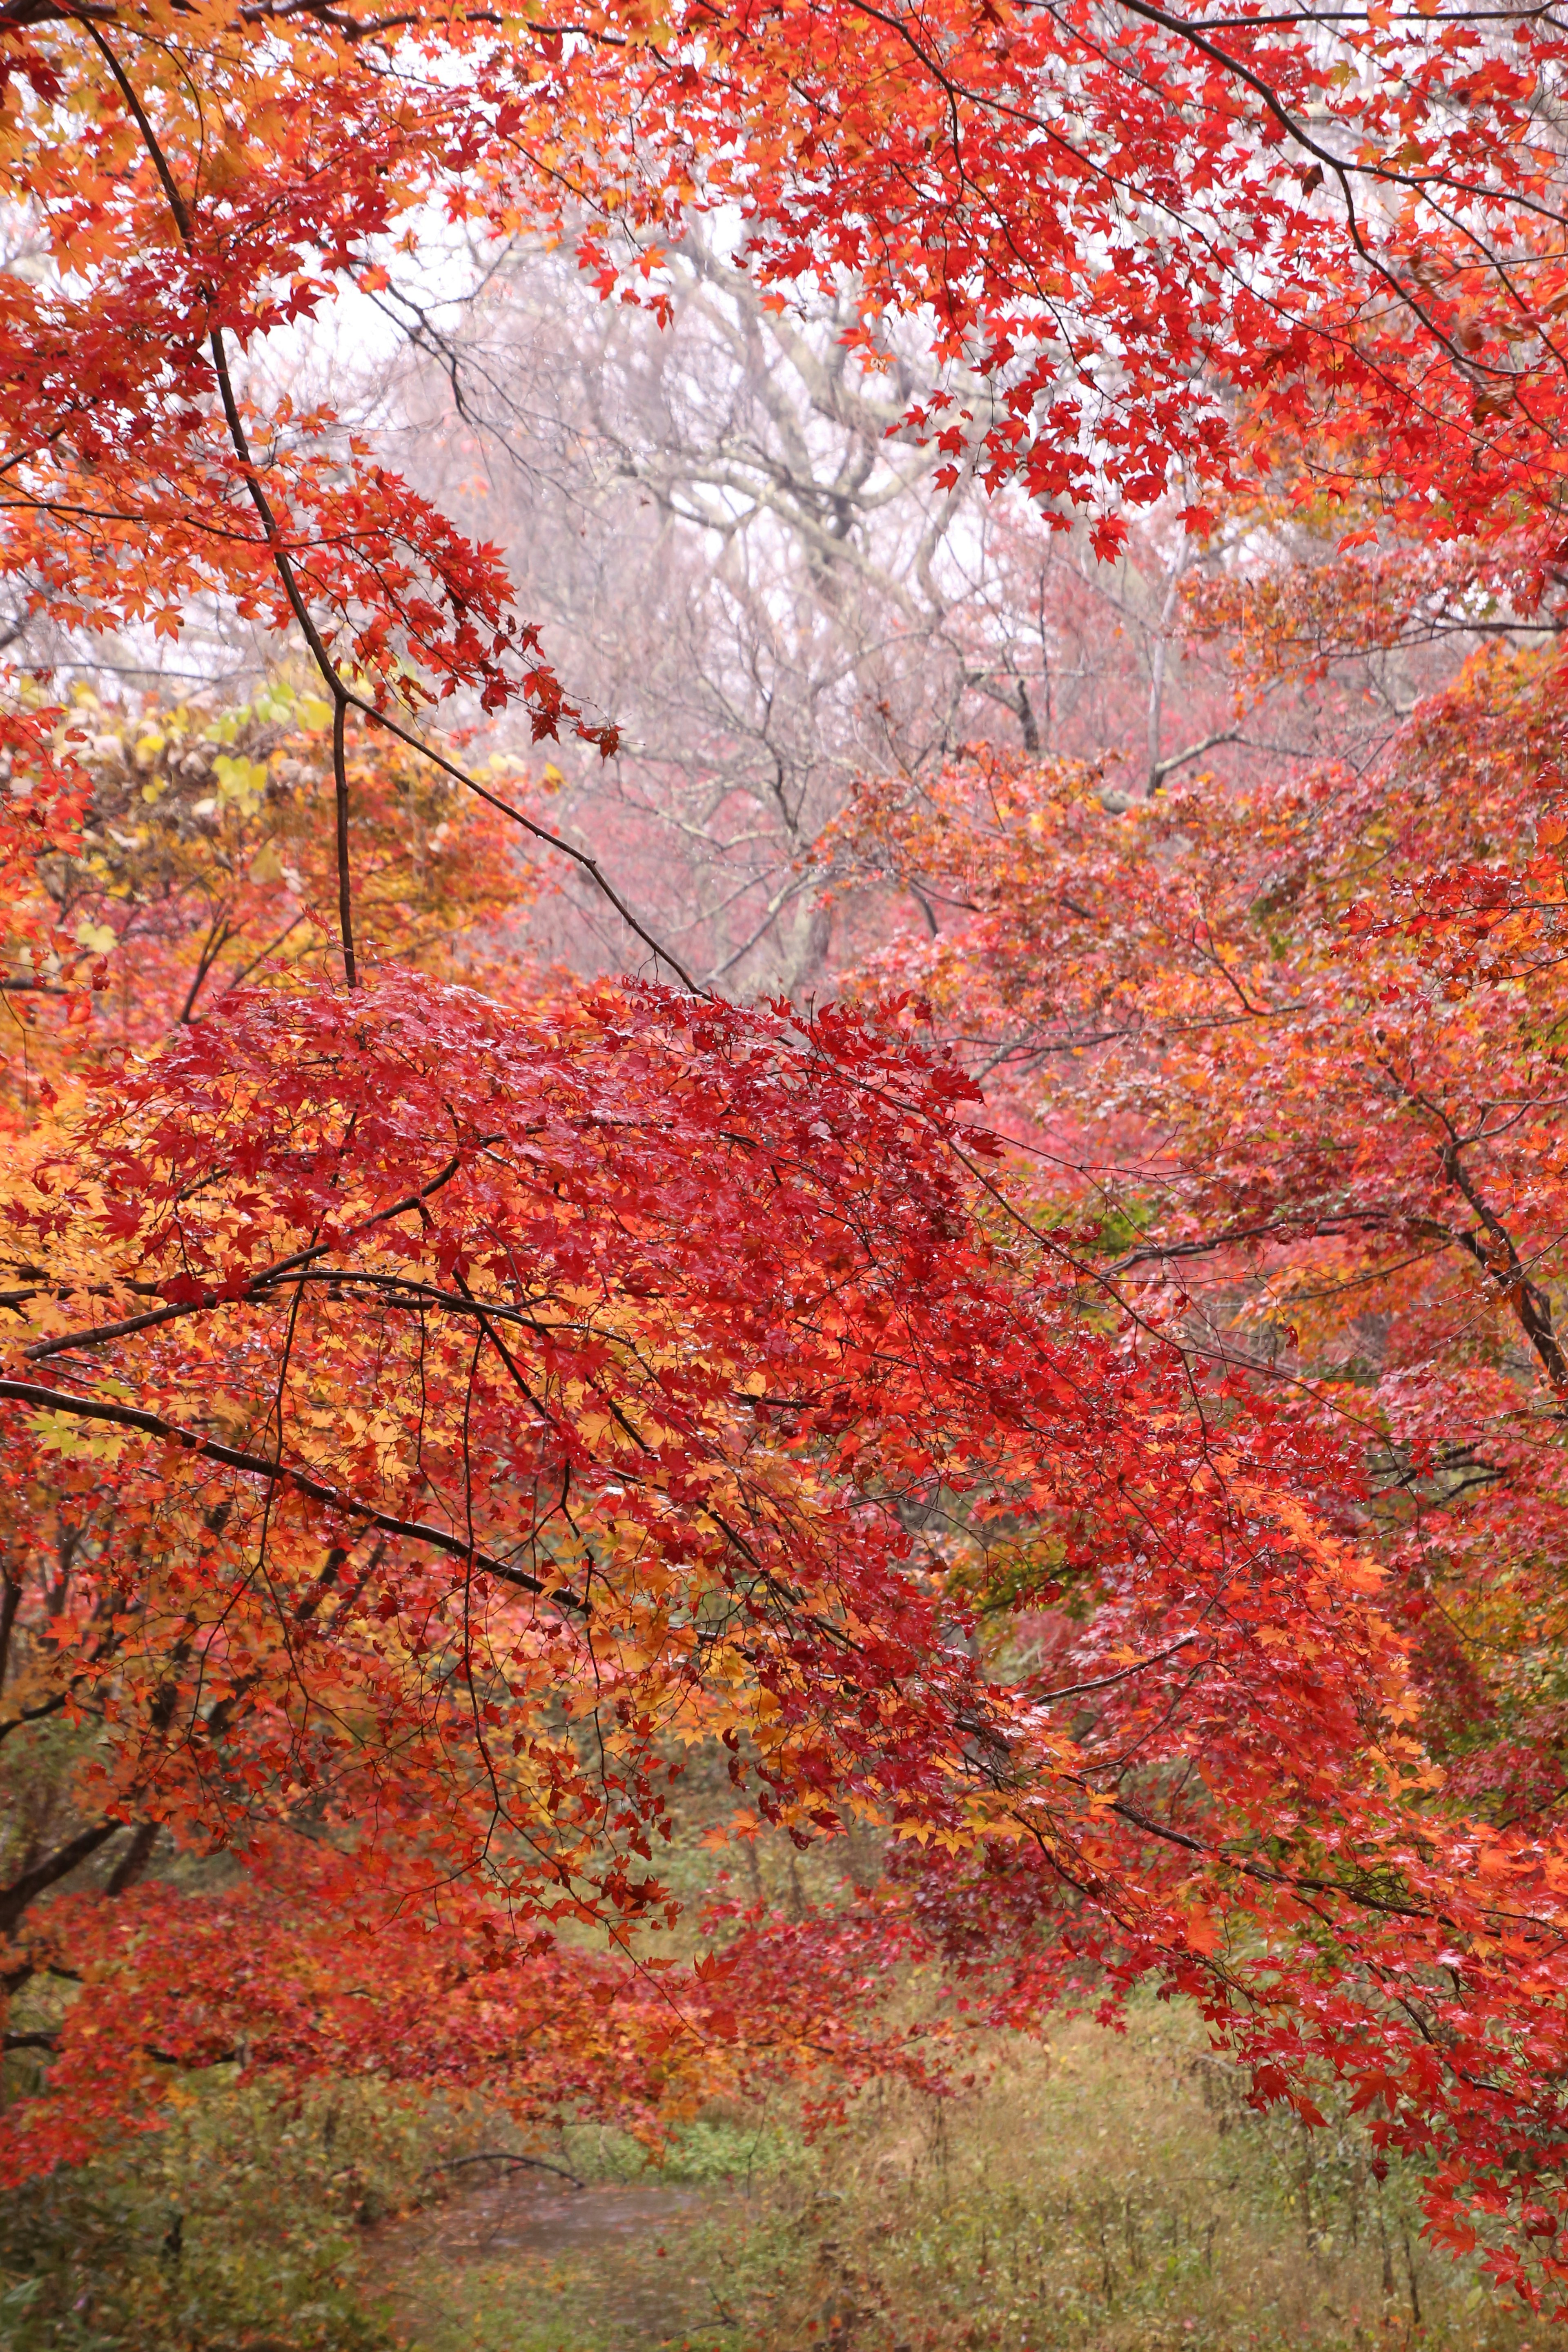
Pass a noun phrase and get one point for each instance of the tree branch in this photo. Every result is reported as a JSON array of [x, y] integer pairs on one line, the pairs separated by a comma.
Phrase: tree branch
[[256, 1465]]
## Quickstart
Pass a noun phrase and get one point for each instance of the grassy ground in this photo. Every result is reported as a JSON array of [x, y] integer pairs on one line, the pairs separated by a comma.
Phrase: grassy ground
[[1107, 2195], [1103, 2195]]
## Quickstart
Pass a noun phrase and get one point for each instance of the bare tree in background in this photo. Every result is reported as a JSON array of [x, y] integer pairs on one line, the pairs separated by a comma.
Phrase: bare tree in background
[[740, 554], [730, 557]]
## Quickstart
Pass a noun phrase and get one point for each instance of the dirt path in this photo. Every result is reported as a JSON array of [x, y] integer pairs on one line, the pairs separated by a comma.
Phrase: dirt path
[[523, 2263]]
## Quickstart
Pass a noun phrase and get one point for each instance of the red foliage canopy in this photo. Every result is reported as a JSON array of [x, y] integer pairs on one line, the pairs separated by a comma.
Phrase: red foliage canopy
[[426, 1419]]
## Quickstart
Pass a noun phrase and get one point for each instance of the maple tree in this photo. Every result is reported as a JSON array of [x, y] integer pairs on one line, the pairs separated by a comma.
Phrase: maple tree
[[661, 1465], [427, 1416], [1286, 1064]]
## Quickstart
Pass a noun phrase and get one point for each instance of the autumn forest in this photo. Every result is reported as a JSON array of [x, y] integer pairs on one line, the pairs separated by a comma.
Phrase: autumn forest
[[784, 1419]]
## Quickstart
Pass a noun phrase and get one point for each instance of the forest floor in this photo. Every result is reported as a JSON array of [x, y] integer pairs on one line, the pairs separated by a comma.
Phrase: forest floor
[[520, 2260], [1111, 2194], [1106, 2192]]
